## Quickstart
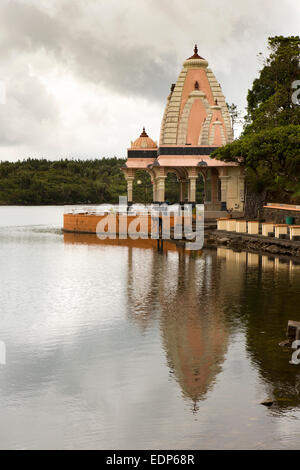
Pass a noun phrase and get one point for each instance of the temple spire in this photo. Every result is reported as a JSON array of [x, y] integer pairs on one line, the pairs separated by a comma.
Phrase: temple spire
[[144, 133], [196, 55]]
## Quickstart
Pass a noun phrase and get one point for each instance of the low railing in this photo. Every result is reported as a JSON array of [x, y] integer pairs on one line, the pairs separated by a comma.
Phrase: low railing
[[276, 205], [141, 209], [265, 229]]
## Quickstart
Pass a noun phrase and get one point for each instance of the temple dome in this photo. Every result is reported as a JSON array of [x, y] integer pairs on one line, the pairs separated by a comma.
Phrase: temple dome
[[143, 142]]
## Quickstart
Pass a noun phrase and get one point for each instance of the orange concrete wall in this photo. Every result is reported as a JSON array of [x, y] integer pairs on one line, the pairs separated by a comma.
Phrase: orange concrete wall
[[87, 223]]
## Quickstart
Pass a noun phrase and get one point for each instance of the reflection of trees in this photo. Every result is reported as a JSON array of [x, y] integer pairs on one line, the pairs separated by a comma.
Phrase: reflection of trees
[[177, 286], [267, 312], [199, 299], [148, 275], [268, 297], [141, 286]]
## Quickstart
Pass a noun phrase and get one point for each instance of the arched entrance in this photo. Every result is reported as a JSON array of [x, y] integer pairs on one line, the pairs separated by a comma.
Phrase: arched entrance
[[212, 191], [142, 187]]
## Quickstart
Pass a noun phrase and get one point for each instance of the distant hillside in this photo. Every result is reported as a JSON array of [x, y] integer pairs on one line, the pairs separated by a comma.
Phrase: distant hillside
[[42, 182], [61, 182]]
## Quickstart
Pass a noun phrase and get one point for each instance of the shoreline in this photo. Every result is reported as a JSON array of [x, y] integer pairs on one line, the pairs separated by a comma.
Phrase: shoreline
[[252, 243]]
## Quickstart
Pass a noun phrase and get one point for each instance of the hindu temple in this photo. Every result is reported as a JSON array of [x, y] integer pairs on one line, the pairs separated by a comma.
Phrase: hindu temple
[[195, 121]]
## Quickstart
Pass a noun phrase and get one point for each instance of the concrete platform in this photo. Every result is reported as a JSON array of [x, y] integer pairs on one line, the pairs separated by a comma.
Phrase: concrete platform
[[285, 243]]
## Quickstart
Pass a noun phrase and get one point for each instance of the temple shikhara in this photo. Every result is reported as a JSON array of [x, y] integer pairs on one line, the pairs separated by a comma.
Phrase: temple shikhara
[[195, 121]]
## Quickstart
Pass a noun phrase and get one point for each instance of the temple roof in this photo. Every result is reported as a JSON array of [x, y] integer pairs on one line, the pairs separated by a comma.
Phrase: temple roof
[[143, 142], [196, 112], [195, 122]]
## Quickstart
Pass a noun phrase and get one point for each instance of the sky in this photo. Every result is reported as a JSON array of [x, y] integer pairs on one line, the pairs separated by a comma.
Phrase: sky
[[80, 78]]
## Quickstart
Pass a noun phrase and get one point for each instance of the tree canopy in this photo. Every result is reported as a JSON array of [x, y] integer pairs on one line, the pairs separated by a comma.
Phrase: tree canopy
[[269, 102], [40, 181], [272, 159], [269, 147]]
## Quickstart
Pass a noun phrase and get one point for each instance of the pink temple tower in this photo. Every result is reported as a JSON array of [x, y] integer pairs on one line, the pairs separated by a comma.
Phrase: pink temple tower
[[195, 121]]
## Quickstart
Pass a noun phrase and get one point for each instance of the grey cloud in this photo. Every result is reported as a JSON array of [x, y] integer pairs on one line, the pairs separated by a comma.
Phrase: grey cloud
[[131, 71], [132, 49], [25, 27], [30, 112], [123, 67]]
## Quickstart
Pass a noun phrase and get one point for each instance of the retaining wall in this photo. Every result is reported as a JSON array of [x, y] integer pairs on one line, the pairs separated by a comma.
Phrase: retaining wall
[[278, 215]]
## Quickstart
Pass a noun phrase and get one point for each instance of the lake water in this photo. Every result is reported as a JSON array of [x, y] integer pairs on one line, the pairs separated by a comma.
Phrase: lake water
[[117, 346]]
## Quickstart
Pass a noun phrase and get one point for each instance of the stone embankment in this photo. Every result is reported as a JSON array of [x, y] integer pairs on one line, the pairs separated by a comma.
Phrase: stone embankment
[[238, 241]]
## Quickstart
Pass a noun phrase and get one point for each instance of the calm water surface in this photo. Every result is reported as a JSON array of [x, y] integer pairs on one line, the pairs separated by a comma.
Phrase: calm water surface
[[118, 346]]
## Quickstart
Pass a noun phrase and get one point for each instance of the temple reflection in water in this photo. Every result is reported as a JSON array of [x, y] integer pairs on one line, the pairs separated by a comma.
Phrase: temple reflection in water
[[200, 300]]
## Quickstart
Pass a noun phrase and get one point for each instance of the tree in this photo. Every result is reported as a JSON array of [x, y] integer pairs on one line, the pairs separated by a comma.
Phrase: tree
[[269, 147], [271, 158], [235, 115], [39, 181], [270, 102]]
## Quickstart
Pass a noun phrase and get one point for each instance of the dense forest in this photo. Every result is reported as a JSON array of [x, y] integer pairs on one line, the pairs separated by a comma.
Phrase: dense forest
[[40, 181]]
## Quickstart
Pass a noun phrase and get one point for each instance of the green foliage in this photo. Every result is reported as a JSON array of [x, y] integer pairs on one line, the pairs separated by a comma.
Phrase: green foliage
[[271, 157], [142, 187], [269, 147], [270, 99], [172, 188], [40, 181]]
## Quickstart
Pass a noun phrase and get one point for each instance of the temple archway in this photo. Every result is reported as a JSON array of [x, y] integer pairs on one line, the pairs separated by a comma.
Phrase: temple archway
[[214, 189], [142, 187]]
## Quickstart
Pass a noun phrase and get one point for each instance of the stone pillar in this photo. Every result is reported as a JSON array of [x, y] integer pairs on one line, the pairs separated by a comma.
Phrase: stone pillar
[[181, 191], [154, 189], [160, 188], [192, 188], [224, 181], [130, 188]]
